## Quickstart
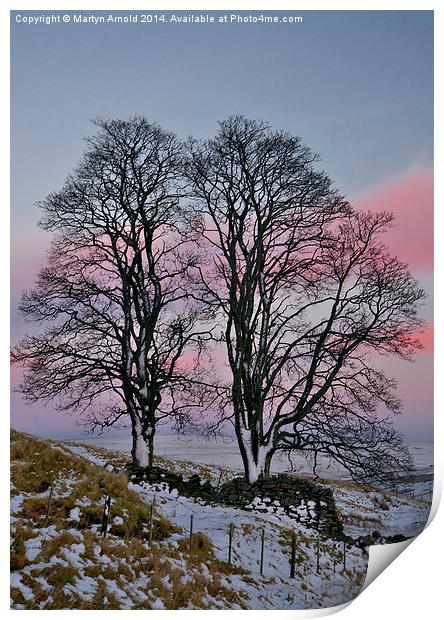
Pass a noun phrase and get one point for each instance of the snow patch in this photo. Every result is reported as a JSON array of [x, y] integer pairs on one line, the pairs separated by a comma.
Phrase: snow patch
[[16, 582], [74, 514]]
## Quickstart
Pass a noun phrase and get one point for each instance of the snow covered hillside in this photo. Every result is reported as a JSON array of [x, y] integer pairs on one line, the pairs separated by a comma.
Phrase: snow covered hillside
[[67, 564]]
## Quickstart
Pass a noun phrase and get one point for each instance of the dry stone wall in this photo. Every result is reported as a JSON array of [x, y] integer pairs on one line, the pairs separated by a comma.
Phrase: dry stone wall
[[301, 499], [304, 501]]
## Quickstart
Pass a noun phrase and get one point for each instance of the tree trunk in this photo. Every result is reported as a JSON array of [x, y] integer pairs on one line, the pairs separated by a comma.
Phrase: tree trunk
[[267, 466], [149, 439], [142, 451], [254, 460]]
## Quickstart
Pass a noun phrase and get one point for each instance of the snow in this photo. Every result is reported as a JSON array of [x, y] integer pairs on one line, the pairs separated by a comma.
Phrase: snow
[[167, 583], [80, 451], [86, 585], [83, 502], [74, 514], [16, 505], [16, 582], [362, 516], [141, 447], [72, 555], [33, 547], [388, 513], [112, 587], [274, 590], [255, 467]]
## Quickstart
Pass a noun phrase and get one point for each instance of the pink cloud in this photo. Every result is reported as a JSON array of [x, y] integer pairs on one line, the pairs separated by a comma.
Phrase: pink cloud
[[410, 199]]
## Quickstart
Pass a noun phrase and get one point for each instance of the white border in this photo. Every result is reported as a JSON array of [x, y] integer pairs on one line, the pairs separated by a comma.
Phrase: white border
[[410, 586]]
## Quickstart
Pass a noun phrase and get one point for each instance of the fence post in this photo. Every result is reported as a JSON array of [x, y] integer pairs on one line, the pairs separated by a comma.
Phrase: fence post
[[262, 550], [150, 531], [334, 571], [191, 531], [293, 554], [344, 553], [106, 507], [230, 542], [51, 488], [318, 555]]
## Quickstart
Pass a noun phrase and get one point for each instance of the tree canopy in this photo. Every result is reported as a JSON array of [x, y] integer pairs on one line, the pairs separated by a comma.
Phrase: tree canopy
[[309, 296], [123, 340]]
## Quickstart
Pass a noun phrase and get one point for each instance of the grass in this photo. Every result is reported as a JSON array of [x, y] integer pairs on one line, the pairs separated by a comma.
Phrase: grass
[[38, 464], [68, 565]]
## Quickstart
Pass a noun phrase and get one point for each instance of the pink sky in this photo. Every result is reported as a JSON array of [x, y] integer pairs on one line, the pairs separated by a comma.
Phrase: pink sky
[[409, 197]]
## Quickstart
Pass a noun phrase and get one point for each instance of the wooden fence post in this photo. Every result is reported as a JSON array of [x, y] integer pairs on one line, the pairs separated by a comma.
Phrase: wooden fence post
[[191, 531], [105, 517], [293, 554], [262, 550], [51, 488], [230, 542], [344, 553], [150, 526], [318, 566]]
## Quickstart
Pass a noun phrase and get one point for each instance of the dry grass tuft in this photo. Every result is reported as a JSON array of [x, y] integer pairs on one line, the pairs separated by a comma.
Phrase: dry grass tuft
[[52, 546], [59, 575], [201, 547]]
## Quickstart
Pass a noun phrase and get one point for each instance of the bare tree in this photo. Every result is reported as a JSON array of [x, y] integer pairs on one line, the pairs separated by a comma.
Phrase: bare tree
[[310, 297], [122, 339]]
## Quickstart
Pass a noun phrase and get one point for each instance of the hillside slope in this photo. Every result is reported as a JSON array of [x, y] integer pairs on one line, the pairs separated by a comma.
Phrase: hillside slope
[[67, 564]]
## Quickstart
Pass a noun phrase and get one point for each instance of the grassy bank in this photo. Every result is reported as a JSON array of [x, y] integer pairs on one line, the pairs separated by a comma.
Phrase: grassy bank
[[67, 564]]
